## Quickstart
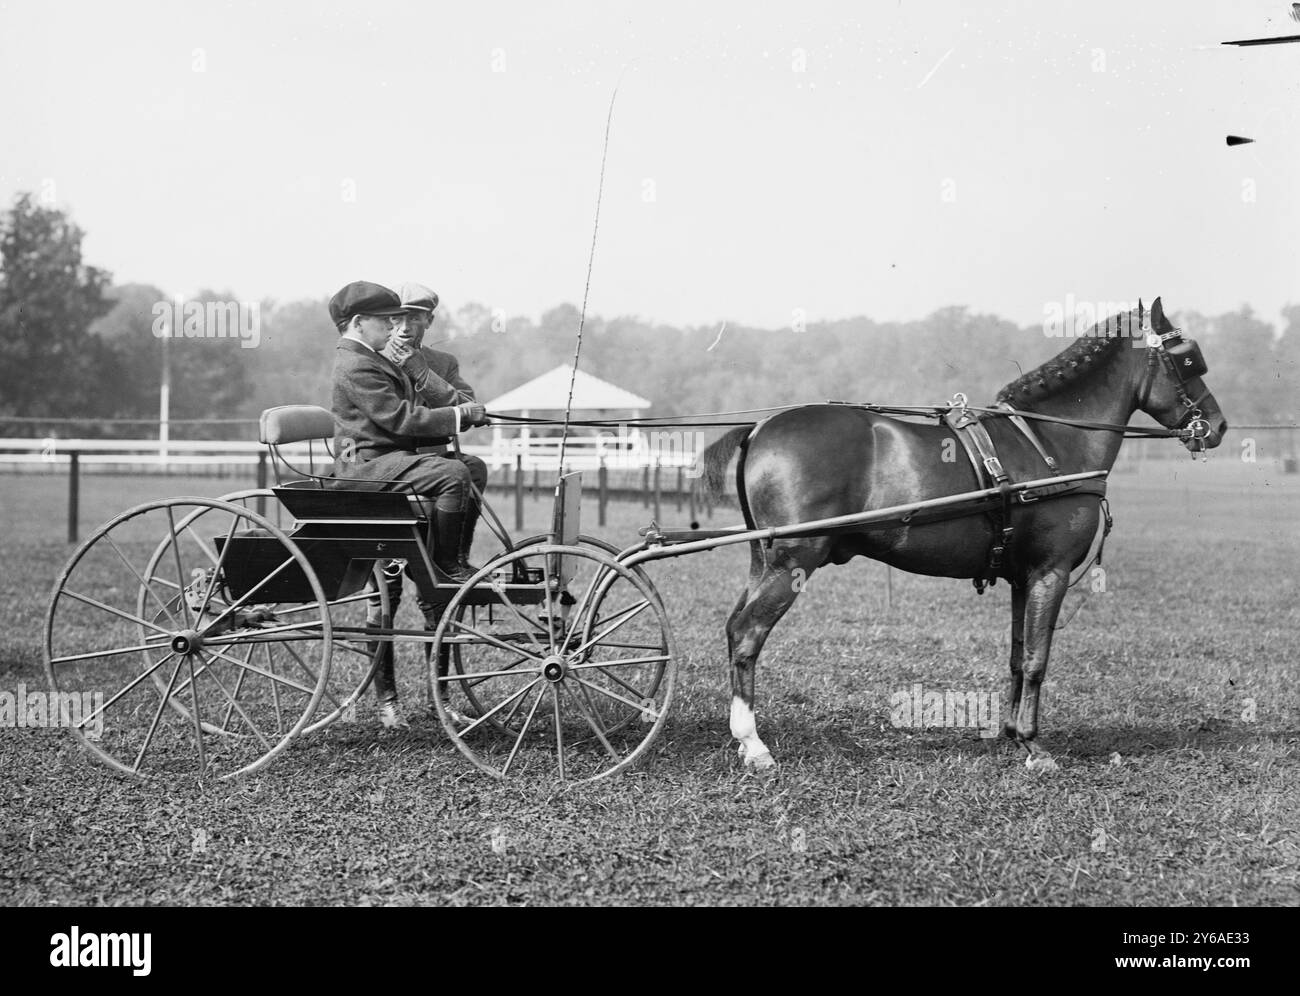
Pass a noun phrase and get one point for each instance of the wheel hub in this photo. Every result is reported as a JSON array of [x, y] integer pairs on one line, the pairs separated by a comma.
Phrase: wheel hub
[[553, 668], [187, 641]]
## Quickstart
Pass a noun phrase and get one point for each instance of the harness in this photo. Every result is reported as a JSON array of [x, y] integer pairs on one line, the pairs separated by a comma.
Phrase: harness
[[989, 473]]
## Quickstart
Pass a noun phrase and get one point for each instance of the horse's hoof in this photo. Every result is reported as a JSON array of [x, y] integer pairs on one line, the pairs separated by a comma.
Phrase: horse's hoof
[[391, 716], [762, 761], [1041, 762]]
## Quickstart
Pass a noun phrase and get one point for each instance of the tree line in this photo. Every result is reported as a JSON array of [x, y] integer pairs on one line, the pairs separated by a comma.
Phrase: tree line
[[74, 345]]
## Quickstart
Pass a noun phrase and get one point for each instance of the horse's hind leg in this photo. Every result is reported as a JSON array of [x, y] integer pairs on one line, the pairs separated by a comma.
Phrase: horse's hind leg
[[1017, 658], [1044, 594], [771, 591], [385, 680]]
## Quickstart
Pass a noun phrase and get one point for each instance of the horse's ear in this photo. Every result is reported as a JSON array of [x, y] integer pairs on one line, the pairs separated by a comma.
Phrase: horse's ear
[[1159, 323]]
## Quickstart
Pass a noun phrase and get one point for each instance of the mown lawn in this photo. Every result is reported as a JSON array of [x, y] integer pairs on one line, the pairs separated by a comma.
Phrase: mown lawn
[[1171, 704]]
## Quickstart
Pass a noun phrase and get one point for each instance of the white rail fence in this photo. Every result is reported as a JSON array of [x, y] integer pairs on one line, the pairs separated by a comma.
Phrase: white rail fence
[[633, 451]]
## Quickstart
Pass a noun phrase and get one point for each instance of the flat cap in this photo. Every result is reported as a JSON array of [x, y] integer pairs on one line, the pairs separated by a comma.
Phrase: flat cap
[[361, 297], [417, 297]]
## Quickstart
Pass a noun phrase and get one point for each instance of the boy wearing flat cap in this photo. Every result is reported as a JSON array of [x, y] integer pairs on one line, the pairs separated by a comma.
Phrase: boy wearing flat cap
[[435, 375], [380, 421]]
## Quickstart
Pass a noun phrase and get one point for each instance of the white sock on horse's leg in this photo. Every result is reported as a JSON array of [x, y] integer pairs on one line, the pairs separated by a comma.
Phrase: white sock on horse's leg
[[745, 729]]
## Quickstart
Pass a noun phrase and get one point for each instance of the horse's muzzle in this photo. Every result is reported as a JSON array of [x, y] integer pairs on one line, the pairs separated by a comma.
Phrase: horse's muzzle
[[1204, 435]]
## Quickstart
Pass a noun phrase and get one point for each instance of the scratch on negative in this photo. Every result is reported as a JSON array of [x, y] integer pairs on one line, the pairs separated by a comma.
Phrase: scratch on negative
[[719, 338]]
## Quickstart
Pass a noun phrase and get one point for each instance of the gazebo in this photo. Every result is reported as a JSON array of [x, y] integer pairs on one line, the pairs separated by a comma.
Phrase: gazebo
[[544, 397]]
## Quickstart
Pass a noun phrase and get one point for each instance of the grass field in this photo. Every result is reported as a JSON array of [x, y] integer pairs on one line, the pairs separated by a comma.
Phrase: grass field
[[1171, 704]]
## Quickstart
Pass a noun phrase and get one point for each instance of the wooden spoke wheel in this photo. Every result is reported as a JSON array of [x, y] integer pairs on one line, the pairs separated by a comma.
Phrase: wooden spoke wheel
[[573, 682], [451, 651], [355, 655], [606, 602], [204, 653]]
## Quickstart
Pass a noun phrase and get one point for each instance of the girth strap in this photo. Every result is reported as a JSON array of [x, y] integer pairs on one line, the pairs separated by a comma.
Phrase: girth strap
[[967, 427]]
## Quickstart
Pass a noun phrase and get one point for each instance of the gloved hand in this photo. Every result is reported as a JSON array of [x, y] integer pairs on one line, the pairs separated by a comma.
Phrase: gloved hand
[[400, 347], [472, 414], [416, 366]]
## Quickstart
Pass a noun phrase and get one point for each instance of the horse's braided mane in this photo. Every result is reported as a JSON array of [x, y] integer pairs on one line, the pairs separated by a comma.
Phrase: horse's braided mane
[[1084, 355]]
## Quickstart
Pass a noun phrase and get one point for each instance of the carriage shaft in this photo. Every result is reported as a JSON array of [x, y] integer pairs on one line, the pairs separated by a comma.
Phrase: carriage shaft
[[881, 516]]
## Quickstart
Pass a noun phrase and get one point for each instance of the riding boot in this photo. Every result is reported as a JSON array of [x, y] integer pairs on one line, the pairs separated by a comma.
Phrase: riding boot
[[446, 549], [467, 535]]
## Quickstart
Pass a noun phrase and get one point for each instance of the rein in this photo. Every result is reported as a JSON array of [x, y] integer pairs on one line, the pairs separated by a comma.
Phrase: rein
[[928, 411]]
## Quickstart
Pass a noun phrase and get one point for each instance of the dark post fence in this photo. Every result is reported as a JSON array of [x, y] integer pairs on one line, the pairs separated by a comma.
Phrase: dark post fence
[[604, 492], [658, 516], [519, 492], [651, 491], [261, 482], [74, 494]]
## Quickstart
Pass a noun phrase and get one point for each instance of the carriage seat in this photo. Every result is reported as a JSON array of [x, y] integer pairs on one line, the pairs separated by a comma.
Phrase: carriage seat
[[304, 423]]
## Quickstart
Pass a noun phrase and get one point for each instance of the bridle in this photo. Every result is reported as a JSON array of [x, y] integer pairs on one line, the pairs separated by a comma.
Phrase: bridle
[[1182, 358]]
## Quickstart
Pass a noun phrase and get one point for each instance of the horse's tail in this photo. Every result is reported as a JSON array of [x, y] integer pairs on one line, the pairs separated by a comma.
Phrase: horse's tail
[[718, 455]]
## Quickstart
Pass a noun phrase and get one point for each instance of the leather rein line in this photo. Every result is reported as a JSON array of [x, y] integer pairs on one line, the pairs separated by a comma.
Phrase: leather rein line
[[927, 411]]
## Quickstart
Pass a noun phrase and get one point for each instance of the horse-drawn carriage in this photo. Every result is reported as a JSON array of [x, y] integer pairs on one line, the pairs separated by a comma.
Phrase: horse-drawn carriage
[[207, 635]]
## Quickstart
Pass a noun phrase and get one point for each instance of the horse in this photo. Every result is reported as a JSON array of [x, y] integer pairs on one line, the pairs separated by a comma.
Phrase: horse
[[820, 461]]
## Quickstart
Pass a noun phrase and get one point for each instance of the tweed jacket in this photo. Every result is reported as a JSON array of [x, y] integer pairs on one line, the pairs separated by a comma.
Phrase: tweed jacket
[[379, 420]]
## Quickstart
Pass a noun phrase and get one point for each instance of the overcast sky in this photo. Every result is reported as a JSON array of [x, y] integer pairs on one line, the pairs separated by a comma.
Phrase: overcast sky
[[884, 159]]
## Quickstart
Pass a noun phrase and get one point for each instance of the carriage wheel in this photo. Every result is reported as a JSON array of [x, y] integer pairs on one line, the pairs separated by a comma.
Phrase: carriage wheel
[[452, 653], [577, 686], [605, 609], [354, 658], [158, 669]]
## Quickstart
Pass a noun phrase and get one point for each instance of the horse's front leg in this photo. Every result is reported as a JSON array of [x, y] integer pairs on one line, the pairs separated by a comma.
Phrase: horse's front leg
[[1017, 658], [1044, 592]]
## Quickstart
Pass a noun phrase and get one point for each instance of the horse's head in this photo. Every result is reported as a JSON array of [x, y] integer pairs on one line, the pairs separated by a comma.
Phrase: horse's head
[[1170, 388]]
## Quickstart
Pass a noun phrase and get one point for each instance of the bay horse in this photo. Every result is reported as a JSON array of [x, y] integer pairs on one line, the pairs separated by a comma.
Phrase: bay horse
[[820, 461]]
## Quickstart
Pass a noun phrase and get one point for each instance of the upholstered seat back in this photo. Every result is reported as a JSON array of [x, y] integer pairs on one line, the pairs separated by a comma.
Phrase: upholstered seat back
[[295, 424]]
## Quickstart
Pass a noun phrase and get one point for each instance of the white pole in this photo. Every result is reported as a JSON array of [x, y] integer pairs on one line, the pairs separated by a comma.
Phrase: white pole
[[164, 401]]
